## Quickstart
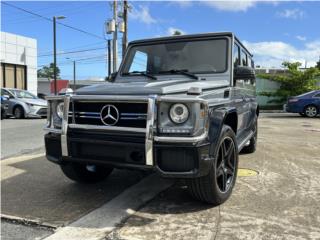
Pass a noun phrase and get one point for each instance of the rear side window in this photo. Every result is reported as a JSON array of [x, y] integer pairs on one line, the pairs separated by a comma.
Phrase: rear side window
[[244, 61], [317, 95], [236, 55]]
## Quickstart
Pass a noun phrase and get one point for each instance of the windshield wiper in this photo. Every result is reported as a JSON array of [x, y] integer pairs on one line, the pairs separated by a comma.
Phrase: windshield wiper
[[141, 73], [182, 72]]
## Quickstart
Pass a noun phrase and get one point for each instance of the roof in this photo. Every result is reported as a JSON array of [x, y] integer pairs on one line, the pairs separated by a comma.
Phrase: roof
[[188, 36], [200, 35]]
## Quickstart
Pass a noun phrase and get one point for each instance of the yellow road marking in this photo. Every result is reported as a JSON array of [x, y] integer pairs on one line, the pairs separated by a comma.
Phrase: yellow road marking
[[246, 172]]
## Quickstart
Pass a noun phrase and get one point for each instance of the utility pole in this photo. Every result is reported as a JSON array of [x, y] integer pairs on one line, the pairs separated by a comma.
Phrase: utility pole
[[125, 33], [115, 36], [55, 53], [74, 75], [109, 57], [54, 57]]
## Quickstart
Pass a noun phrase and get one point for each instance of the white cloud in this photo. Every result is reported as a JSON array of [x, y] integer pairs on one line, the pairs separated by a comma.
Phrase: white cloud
[[301, 38], [142, 14], [272, 54], [232, 6], [291, 13], [171, 31]]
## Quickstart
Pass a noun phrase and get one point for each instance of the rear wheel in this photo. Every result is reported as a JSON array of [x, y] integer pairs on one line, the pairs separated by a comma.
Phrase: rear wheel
[[18, 112], [216, 187], [311, 111], [84, 173]]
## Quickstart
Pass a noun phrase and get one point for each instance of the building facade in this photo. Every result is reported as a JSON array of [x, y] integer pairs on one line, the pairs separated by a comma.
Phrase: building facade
[[18, 58]]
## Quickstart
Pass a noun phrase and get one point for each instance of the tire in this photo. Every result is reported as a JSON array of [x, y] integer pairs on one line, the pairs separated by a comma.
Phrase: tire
[[18, 112], [83, 173], [311, 111], [302, 114], [251, 148], [3, 115], [216, 187]]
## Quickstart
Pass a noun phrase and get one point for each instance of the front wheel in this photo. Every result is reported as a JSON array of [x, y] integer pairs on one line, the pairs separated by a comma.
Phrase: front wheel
[[84, 173], [18, 112], [216, 187], [311, 111]]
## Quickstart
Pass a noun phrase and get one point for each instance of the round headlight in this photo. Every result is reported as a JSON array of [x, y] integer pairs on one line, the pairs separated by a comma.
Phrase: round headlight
[[179, 113], [60, 108]]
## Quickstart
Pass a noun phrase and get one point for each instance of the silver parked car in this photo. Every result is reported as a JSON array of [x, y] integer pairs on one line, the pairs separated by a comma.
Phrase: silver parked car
[[23, 104]]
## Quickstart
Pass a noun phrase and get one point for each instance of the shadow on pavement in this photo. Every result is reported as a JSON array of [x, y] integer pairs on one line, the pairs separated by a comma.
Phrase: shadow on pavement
[[38, 190]]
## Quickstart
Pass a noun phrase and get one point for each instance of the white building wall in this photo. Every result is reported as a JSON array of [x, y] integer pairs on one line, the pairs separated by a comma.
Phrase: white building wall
[[16, 49]]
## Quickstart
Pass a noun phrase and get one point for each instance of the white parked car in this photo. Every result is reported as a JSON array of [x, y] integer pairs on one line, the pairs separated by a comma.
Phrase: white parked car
[[23, 104]]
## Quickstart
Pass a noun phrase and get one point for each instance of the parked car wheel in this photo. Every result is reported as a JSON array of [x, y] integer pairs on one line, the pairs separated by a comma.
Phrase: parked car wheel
[[251, 148], [302, 114], [311, 111], [216, 187], [18, 112], [83, 173], [3, 115]]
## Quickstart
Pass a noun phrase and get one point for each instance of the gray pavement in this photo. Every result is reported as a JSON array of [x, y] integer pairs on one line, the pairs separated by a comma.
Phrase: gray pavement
[[15, 231], [36, 189], [20, 136]]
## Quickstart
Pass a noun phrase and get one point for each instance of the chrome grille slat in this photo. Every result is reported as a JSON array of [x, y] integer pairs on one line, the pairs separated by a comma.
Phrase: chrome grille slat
[[131, 114]]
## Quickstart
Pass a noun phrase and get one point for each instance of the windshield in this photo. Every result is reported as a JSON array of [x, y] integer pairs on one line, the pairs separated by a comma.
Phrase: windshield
[[197, 56], [23, 94]]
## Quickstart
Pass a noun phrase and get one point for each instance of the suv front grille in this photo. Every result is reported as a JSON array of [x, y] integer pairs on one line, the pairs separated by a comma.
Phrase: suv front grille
[[125, 114]]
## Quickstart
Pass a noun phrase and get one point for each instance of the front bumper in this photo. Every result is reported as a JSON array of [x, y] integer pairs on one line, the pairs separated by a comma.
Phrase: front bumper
[[37, 111], [124, 147], [175, 160]]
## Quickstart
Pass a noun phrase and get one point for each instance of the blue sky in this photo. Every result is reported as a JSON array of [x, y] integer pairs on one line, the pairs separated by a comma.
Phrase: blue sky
[[273, 31]]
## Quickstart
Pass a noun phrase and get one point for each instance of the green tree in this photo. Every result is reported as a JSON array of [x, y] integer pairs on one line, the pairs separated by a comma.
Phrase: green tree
[[293, 82], [47, 72], [177, 33], [318, 64]]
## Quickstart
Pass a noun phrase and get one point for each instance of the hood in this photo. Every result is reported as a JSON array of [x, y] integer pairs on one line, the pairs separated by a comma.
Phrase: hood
[[149, 88], [39, 102]]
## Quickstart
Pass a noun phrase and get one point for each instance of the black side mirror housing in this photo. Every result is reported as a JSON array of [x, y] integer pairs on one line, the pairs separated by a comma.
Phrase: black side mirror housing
[[112, 77], [244, 72]]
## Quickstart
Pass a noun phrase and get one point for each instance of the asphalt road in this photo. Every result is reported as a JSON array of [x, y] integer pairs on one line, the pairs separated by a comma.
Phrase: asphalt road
[[281, 202], [20, 136]]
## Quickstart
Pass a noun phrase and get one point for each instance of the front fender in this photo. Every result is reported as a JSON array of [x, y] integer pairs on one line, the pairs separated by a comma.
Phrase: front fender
[[217, 118]]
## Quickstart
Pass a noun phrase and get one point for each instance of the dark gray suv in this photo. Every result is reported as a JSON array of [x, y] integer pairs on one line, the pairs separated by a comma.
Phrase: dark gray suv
[[184, 106]]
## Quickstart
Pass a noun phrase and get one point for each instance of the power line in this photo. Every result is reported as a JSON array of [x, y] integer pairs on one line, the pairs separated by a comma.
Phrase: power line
[[63, 53], [76, 48], [49, 19]]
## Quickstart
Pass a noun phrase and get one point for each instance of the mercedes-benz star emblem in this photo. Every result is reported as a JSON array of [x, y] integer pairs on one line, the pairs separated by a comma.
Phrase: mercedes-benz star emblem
[[109, 115]]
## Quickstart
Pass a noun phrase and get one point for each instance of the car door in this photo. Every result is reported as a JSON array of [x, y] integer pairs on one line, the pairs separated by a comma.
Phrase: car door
[[10, 101], [316, 99]]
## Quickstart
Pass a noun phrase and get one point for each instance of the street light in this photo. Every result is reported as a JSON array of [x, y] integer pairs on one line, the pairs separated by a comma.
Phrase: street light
[[74, 73], [55, 52]]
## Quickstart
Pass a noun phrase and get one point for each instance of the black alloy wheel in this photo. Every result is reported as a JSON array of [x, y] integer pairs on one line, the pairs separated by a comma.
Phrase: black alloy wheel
[[216, 187], [225, 165]]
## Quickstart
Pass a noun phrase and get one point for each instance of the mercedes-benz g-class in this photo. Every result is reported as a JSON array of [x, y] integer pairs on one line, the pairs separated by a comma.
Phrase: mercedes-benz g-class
[[184, 106]]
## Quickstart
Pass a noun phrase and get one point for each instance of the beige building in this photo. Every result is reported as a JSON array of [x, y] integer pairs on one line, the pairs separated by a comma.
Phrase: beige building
[[18, 58]]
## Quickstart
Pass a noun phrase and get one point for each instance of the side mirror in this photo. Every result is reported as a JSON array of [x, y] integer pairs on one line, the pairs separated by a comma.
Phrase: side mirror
[[112, 77], [243, 72], [6, 97]]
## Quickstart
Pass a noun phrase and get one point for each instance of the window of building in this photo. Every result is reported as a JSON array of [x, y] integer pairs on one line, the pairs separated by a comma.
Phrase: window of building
[[13, 76]]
